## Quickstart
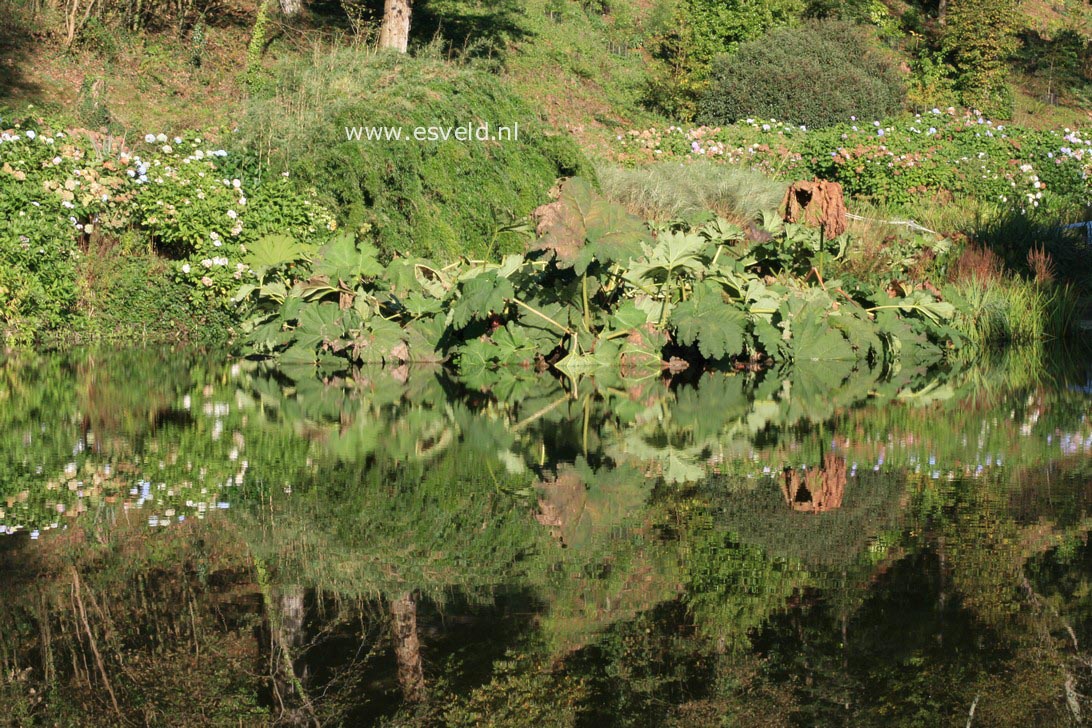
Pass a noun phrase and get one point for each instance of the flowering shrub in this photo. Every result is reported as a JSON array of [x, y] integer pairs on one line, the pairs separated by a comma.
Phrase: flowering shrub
[[936, 155], [58, 190]]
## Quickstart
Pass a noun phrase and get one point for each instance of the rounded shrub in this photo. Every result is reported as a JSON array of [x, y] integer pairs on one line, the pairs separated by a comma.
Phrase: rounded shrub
[[433, 197], [817, 74]]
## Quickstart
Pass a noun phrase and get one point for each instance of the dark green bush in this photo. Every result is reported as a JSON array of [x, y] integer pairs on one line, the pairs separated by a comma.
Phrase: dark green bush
[[817, 74], [433, 198], [128, 294]]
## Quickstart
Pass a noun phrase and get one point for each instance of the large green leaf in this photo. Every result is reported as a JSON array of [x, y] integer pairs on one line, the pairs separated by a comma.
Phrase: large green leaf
[[272, 251], [480, 297], [380, 341], [562, 222], [319, 323], [613, 236], [580, 228], [675, 254], [815, 341], [716, 327], [343, 259], [628, 316], [423, 337]]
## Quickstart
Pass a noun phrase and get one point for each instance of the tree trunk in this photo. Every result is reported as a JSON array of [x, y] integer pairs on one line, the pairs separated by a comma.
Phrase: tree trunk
[[291, 8], [407, 648], [394, 32], [942, 12]]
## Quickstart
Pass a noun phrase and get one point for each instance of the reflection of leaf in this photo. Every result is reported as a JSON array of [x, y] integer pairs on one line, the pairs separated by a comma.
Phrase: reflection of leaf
[[605, 354], [716, 400], [677, 464], [581, 506], [813, 385]]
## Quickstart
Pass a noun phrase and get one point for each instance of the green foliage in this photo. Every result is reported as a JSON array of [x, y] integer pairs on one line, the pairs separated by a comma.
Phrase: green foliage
[[697, 33], [134, 296], [258, 33], [934, 156], [980, 36], [435, 198], [717, 27], [815, 75], [706, 320], [64, 192], [596, 293], [1012, 310], [931, 83]]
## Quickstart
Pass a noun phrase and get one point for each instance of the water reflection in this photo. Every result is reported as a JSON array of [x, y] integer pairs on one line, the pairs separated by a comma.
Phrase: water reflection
[[194, 541]]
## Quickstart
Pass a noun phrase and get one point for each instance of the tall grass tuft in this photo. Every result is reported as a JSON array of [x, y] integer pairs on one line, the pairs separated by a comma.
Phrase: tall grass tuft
[[1026, 241], [673, 190], [1011, 310]]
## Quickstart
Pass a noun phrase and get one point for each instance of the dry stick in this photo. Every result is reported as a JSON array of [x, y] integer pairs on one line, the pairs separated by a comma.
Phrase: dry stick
[[48, 669], [193, 627], [79, 641], [91, 639], [970, 716]]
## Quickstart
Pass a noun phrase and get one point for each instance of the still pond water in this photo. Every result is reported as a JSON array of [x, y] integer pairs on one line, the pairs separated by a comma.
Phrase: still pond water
[[189, 540]]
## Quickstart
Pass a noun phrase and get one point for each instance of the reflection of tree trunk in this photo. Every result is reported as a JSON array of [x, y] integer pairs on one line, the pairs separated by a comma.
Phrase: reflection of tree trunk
[[942, 585], [407, 647], [1072, 697], [292, 613], [286, 621]]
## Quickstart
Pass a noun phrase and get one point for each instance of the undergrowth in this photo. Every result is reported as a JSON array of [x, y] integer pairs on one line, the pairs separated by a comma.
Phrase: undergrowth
[[436, 198]]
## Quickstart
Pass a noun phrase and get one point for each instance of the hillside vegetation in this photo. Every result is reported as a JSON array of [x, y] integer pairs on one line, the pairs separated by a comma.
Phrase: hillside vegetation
[[214, 142]]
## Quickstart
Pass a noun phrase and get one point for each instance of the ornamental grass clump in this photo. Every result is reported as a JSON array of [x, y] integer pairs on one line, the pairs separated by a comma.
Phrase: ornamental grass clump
[[671, 190]]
